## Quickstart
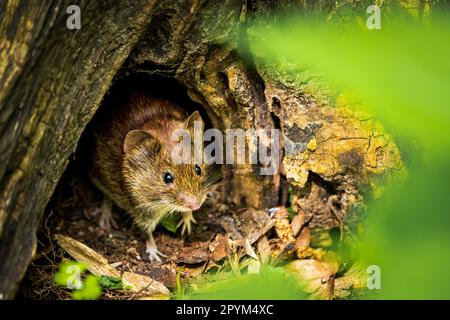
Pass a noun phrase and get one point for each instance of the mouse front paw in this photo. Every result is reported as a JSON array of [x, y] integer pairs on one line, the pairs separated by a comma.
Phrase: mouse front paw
[[186, 220], [153, 253], [106, 221]]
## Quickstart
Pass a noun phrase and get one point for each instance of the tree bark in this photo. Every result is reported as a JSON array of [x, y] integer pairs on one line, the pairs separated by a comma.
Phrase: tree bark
[[52, 80]]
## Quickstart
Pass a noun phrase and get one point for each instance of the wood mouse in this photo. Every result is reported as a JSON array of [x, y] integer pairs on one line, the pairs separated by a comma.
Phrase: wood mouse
[[131, 164]]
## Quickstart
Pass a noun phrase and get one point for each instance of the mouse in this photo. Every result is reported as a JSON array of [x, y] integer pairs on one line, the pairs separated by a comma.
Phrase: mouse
[[131, 164]]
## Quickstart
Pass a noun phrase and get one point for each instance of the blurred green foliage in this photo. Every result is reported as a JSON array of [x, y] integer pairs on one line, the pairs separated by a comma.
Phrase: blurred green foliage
[[401, 70], [91, 289], [269, 284], [69, 276], [69, 273], [402, 73]]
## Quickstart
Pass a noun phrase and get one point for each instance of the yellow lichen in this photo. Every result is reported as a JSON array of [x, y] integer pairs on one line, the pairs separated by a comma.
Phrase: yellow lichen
[[351, 139], [312, 145]]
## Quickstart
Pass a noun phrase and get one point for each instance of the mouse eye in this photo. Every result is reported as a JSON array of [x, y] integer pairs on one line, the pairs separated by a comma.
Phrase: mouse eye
[[198, 170], [168, 178]]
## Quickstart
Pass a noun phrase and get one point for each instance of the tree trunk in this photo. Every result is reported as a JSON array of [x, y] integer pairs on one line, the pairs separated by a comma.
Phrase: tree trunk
[[53, 79]]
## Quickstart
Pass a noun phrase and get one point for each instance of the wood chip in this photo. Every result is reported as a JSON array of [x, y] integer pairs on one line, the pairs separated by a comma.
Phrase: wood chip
[[98, 266]]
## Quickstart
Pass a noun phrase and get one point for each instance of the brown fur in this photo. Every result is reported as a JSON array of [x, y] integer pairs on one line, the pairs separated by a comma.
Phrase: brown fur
[[133, 179]]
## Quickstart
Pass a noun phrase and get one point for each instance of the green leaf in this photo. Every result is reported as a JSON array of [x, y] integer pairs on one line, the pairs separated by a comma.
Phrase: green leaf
[[291, 213], [171, 222], [112, 283]]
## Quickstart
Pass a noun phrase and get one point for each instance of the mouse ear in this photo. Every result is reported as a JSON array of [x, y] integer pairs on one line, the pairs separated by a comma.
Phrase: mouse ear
[[134, 138], [194, 119]]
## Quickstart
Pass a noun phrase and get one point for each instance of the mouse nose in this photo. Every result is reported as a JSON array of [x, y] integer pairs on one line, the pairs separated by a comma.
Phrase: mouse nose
[[190, 201]]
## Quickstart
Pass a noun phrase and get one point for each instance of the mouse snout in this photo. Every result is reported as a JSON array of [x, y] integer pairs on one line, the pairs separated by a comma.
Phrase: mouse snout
[[190, 201]]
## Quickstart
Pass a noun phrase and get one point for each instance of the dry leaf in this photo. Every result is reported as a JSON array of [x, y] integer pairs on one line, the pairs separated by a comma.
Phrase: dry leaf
[[297, 223], [198, 252], [303, 240], [264, 250], [249, 224], [310, 273], [219, 247]]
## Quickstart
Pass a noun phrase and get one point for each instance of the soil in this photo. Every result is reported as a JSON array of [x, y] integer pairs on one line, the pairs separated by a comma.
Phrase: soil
[[124, 248]]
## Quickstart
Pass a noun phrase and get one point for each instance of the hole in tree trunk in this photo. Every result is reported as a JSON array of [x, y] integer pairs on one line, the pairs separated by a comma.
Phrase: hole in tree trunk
[[72, 209]]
